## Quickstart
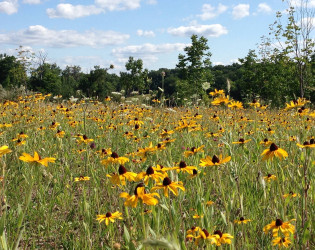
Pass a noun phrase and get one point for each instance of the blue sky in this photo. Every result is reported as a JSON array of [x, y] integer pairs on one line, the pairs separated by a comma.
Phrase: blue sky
[[104, 32]]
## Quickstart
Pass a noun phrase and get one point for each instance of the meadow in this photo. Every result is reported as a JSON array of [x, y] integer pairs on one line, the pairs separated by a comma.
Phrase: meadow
[[105, 175]]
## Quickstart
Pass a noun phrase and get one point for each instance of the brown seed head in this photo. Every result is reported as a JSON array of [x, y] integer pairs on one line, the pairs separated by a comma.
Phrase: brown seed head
[[215, 159], [218, 232], [273, 147], [150, 171], [167, 181], [182, 164], [122, 170]]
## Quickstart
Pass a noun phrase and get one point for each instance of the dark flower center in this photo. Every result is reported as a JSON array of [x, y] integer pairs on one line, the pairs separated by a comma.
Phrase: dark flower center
[[195, 172], [167, 181], [214, 116], [218, 232], [193, 149], [312, 141], [104, 151], [136, 126], [159, 145], [282, 240], [108, 214], [273, 147], [265, 140], [182, 164], [242, 218], [85, 137], [150, 171], [114, 155], [205, 232], [306, 143], [241, 140], [122, 170], [269, 175], [215, 159], [279, 222], [269, 129]]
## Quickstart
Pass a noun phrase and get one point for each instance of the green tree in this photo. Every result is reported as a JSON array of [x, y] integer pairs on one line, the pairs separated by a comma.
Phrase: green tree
[[294, 41], [195, 64], [46, 79], [135, 79], [12, 73]]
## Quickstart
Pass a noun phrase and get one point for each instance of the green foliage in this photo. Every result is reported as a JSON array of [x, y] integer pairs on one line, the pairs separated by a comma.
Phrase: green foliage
[[195, 65]]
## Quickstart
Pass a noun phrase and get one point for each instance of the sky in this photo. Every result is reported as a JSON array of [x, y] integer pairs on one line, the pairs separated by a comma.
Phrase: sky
[[104, 32]]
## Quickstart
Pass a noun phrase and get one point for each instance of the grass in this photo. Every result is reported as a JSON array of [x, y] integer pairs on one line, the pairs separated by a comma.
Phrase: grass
[[44, 207]]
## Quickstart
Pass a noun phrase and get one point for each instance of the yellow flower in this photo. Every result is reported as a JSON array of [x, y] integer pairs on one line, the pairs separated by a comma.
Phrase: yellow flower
[[109, 217], [182, 167], [270, 177], [290, 195], [81, 178], [241, 141], [150, 174], [220, 238], [214, 161], [169, 185], [193, 151], [36, 159], [285, 227], [209, 203], [84, 139], [217, 92], [310, 144], [114, 158], [242, 220], [60, 134], [235, 105], [281, 242], [4, 150], [122, 176], [197, 216], [220, 100], [274, 151], [139, 193]]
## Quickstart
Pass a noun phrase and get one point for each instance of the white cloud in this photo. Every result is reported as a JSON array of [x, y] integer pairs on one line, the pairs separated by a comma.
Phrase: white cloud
[[211, 30], [32, 1], [240, 11], [264, 8], [39, 35], [70, 11], [113, 5], [148, 49], [145, 33], [209, 12], [9, 7]]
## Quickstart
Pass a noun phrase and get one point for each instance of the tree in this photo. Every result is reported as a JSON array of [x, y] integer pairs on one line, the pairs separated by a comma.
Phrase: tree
[[12, 73], [46, 79], [293, 40], [195, 65], [135, 77]]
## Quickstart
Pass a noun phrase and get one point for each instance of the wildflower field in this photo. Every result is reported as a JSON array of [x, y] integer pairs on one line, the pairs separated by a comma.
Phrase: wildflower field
[[105, 175]]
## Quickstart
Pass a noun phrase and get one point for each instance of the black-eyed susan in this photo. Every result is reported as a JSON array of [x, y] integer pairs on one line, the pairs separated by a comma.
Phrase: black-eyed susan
[[84, 139], [81, 178], [182, 167], [146, 151], [4, 150], [122, 176], [60, 133], [266, 142], [166, 133], [140, 193], [306, 144], [150, 173], [193, 151], [241, 141], [36, 159], [291, 194], [221, 100], [282, 242], [217, 92], [115, 159], [274, 151], [235, 105], [270, 177], [201, 235], [242, 220], [109, 217], [285, 227], [219, 238], [214, 161], [167, 185]]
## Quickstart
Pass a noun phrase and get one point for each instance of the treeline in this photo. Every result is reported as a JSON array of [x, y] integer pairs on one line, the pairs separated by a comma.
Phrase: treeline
[[269, 81]]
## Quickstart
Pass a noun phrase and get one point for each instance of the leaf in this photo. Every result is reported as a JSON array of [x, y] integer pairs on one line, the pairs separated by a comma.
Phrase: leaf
[[126, 235]]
